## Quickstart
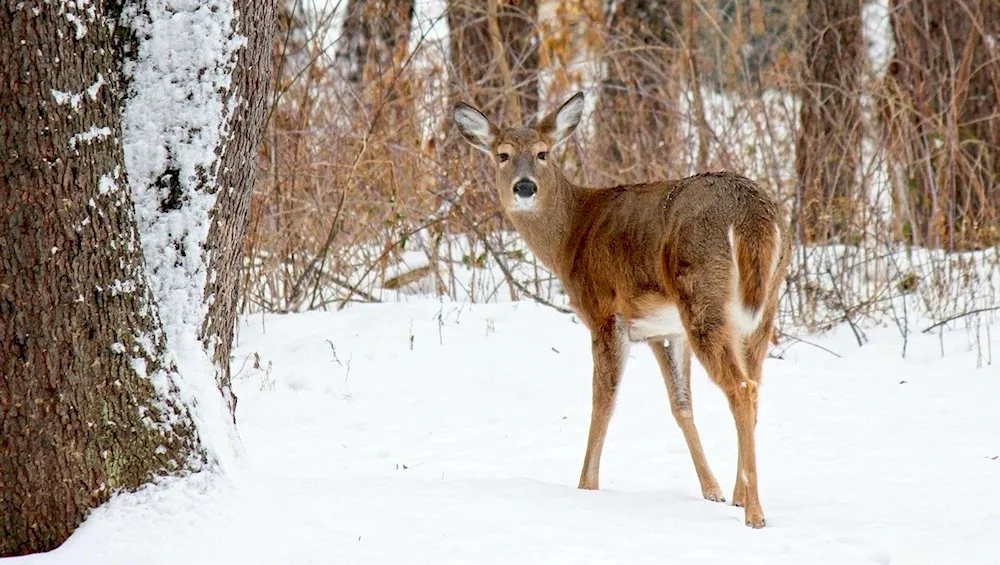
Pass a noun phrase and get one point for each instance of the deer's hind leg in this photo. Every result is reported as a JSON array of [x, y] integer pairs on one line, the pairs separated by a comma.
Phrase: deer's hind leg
[[675, 365], [717, 346], [755, 351]]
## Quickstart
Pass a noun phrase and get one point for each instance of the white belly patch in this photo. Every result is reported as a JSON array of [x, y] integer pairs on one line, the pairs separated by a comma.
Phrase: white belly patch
[[662, 322]]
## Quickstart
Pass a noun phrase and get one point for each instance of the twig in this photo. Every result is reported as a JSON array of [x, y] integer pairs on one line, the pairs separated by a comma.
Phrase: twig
[[278, 91], [699, 104], [858, 334], [336, 281], [783, 335], [957, 316]]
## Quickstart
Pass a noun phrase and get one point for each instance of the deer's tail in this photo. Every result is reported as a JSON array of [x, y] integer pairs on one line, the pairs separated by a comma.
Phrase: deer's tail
[[756, 254]]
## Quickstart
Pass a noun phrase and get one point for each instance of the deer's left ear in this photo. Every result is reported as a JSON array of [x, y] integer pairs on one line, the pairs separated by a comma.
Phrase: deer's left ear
[[559, 125]]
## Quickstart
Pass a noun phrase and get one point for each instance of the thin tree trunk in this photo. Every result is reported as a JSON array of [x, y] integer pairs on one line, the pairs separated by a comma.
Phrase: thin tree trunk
[[478, 79], [81, 346], [694, 83], [641, 89], [944, 90], [829, 143], [374, 31], [512, 104]]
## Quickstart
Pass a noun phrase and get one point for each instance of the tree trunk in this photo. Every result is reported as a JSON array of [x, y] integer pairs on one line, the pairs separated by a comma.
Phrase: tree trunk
[[122, 212], [829, 144], [87, 397], [942, 107], [477, 70], [639, 93], [373, 35]]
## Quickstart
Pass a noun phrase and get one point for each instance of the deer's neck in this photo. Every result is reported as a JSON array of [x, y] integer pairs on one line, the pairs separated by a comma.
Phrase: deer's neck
[[547, 230]]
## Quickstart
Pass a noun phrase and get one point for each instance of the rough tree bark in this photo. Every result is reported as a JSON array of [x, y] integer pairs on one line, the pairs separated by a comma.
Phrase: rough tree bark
[[80, 337], [828, 147], [641, 88], [89, 370], [943, 112]]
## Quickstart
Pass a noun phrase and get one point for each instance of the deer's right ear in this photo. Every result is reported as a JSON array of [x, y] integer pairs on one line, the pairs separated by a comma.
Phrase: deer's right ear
[[475, 127]]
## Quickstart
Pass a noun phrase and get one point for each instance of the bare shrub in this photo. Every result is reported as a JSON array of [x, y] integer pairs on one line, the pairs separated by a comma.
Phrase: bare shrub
[[364, 192]]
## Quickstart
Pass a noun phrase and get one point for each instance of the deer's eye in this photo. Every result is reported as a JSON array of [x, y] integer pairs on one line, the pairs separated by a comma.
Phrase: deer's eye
[[542, 155], [504, 157]]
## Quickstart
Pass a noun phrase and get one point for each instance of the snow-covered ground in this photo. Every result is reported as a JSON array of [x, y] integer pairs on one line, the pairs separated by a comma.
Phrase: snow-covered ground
[[429, 432]]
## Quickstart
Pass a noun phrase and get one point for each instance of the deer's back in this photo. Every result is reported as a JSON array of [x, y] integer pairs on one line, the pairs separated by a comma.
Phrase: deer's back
[[625, 236]]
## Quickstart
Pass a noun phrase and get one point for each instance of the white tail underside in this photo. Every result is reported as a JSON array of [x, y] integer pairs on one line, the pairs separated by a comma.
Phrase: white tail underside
[[746, 320]]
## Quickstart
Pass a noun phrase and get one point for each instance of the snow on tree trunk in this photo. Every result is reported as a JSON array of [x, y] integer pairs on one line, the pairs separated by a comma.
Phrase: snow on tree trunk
[[177, 121]]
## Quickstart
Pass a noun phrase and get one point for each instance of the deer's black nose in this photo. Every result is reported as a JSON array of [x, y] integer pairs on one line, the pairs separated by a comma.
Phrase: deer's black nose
[[525, 188]]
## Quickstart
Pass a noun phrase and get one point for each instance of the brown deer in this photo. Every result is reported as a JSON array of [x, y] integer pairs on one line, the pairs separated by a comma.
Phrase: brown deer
[[683, 265]]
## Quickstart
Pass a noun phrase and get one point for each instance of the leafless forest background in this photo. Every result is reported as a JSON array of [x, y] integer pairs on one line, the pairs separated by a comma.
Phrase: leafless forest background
[[875, 123]]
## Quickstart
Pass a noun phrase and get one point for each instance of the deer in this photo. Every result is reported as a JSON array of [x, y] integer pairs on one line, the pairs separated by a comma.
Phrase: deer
[[688, 266]]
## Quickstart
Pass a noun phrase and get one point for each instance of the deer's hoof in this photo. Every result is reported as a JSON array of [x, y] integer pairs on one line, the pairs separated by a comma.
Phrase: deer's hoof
[[713, 494], [738, 495], [754, 519]]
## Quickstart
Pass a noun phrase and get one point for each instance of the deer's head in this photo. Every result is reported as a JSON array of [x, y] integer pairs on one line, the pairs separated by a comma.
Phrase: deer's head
[[526, 178]]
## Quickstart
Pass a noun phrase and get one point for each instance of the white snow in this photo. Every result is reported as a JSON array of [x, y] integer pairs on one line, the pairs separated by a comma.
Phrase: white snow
[[174, 123], [74, 99], [76, 11], [92, 133], [428, 432], [81, 28], [63, 98], [107, 182], [95, 88]]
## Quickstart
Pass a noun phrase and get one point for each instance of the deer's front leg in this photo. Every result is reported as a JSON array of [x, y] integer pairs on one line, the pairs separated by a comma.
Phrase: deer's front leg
[[610, 349]]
